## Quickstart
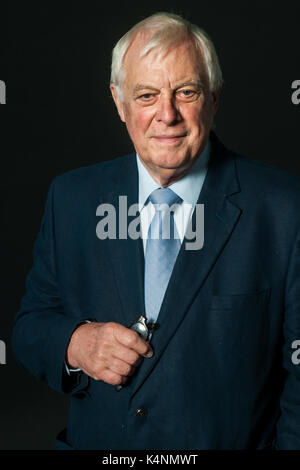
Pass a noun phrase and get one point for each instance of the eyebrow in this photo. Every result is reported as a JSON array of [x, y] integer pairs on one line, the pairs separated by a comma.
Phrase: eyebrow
[[195, 82], [139, 86]]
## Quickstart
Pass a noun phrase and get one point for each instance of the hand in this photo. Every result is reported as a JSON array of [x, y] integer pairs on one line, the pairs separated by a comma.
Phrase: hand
[[107, 351]]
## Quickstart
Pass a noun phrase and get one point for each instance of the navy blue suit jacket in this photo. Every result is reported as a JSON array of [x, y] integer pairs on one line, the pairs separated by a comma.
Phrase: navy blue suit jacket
[[222, 375]]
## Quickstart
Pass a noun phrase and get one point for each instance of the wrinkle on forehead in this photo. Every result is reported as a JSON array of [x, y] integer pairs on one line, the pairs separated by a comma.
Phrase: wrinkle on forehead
[[188, 58]]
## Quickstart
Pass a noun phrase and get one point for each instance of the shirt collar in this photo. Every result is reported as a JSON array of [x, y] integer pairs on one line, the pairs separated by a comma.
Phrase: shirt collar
[[188, 187]]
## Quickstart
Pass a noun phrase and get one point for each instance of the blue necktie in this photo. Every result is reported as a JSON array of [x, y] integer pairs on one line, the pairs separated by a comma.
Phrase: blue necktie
[[162, 248]]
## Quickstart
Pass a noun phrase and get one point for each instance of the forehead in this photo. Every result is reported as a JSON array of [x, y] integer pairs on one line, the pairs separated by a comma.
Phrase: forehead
[[180, 61]]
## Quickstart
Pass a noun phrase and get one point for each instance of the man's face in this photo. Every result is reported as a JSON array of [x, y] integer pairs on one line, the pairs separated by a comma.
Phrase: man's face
[[168, 108]]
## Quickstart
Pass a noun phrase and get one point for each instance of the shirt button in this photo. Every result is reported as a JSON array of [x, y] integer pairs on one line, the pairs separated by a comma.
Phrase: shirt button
[[141, 412]]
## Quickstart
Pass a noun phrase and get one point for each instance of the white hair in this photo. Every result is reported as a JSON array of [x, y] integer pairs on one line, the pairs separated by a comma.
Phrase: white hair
[[168, 30]]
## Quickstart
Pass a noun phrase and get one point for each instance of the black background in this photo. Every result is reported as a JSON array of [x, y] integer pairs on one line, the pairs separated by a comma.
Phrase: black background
[[59, 115]]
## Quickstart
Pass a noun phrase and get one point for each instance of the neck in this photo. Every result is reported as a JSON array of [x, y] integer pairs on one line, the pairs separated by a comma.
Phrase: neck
[[167, 176]]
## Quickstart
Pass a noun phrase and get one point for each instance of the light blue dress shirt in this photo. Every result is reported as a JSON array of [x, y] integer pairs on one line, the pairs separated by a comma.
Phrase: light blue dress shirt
[[188, 188]]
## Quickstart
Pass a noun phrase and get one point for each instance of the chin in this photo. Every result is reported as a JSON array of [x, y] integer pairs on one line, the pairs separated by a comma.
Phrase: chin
[[169, 162]]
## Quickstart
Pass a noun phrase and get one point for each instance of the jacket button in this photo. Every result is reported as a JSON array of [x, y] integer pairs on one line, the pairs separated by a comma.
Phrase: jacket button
[[141, 412]]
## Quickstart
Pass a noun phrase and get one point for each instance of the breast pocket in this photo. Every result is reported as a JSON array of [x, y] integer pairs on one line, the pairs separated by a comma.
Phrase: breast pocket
[[240, 322], [241, 302]]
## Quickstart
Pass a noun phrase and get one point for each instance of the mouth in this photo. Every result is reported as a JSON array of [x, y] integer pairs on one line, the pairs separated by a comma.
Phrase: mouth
[[168, 139]]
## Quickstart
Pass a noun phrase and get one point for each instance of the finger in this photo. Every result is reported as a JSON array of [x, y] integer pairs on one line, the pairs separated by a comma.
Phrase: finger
[[111, 377], [127, 355], [121, 368], [131, 339]]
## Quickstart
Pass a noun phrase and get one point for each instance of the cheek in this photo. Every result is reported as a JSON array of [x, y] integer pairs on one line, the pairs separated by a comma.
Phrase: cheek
[[139, 121], [200, 120], [196, 121]]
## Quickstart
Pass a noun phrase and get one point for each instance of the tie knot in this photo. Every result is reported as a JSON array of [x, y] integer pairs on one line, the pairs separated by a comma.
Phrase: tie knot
[[164, 196]]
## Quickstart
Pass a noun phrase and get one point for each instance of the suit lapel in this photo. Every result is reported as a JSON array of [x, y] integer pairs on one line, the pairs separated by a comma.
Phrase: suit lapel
[[193, 266], [126, 255]]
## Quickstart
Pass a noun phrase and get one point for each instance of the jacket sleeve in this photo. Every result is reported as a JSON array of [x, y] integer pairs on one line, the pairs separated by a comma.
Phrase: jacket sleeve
[[288, 426], [42, 329]]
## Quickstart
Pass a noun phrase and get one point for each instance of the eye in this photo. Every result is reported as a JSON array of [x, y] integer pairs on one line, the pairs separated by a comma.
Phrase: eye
[[188, 95], [146, 96]]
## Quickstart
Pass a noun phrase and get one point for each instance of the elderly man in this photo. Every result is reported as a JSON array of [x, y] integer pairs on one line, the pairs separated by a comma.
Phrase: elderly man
[[158, 345]]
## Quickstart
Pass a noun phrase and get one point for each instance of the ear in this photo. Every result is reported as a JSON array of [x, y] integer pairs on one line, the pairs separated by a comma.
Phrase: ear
[[118, 103], [215, 98]]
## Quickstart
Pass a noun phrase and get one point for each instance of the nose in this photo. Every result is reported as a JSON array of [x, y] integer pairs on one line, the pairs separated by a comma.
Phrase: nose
[[166, 111]]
